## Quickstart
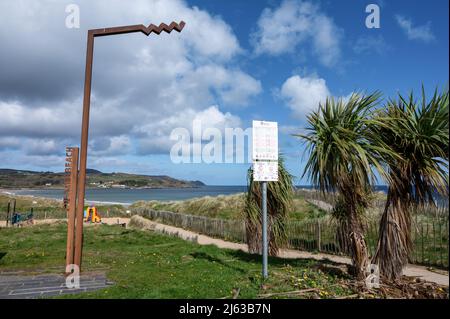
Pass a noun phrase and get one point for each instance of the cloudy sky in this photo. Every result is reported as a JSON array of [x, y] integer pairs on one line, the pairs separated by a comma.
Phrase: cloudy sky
[[234, 62]]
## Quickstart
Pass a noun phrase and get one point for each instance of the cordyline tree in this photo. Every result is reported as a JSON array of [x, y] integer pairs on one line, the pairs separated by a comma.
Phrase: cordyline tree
[[279, 205], [342, 155], [419, 134]]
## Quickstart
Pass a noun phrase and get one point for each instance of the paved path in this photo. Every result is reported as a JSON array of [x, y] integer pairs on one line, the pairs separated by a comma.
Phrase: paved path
[[19, 286], [410, 270]]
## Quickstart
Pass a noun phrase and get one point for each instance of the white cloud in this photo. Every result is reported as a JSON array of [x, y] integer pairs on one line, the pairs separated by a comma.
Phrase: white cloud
[[288, 129], [234, 87], [142, 87], [42, 147], [303, 94], [13, 160], [10, 143], [116, 145], [20, 120], [371, 44], [296, 22], [154, 136], [422, 33]]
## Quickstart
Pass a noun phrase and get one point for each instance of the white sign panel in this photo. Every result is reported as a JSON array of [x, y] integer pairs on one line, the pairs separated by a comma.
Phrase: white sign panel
[[265, 140], [264, 171]]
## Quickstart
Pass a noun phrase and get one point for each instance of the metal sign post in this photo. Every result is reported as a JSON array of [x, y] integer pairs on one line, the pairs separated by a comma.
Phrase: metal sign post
[[265, 168], [264, 229]]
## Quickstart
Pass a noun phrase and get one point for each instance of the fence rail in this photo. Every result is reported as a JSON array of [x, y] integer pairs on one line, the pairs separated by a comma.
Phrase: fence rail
[[430, 239], [231, 230], [430, 234]]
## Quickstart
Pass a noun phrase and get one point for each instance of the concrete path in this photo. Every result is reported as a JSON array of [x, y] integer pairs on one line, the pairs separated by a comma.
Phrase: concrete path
[[19, 286], [410, 270]]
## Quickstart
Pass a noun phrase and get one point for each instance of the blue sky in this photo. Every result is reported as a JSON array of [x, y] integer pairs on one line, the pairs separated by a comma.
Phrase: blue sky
[[318, 49]]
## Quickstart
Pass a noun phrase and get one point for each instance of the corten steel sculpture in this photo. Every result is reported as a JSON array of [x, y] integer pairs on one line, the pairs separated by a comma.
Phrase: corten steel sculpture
[[70, 183], [92, 34]]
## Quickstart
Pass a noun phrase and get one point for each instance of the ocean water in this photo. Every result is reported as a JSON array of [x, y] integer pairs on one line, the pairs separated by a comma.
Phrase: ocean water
[[129, 196]]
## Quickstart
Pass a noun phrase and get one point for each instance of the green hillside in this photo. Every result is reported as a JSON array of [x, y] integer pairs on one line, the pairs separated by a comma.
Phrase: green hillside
[[11, 178]]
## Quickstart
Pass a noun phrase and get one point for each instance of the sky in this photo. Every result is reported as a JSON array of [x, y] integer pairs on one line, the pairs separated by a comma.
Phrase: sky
[[234, 62]]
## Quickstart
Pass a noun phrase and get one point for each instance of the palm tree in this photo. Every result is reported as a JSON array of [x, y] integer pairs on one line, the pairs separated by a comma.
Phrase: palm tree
[[279, 205], [341, 158], [419, 134]]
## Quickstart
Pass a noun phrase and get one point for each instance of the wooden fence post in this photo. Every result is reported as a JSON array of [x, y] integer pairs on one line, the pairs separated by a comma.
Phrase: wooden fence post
[[7, 214], [421, 227], [319, 244]]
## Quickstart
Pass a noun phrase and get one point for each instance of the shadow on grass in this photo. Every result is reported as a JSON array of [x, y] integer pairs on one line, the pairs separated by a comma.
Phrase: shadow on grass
[[205, 256], [2, 254], [325, 265]]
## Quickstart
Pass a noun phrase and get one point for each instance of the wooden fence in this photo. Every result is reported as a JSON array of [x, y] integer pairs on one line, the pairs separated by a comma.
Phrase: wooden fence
[[231, 230], [430, 238], [430, 233]]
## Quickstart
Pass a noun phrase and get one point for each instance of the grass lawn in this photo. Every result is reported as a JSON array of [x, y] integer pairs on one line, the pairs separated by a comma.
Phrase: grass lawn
[[144, 264]]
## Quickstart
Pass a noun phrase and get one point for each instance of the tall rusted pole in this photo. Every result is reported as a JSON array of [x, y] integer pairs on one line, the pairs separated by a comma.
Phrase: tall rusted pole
[[72, 206], [83, 150], [86, 107]]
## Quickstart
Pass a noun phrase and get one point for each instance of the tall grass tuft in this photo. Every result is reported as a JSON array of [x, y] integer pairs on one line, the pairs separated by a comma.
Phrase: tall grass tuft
[[279, 205]]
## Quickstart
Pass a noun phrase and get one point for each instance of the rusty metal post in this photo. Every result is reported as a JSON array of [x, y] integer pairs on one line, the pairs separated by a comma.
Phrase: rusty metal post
[[86, 108], [71, 202], [83, 151]]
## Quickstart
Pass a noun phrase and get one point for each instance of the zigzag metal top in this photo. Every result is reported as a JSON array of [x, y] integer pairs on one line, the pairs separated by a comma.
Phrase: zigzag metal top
[[138, 28]]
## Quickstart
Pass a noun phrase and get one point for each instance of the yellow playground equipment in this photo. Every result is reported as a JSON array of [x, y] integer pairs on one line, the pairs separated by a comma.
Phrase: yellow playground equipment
[[91, 215]]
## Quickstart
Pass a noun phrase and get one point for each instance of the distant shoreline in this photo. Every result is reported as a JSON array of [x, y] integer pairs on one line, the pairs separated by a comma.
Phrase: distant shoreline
[[127, 197], [11, 192]]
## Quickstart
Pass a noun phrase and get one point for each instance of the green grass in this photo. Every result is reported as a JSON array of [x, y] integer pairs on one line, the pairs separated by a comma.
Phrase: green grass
[[25, 203], [144, 264], [303, 210], [49, 208]]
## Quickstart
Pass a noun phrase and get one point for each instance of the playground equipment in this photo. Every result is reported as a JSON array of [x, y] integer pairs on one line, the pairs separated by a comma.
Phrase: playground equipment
[[91, 215], [18, 219]]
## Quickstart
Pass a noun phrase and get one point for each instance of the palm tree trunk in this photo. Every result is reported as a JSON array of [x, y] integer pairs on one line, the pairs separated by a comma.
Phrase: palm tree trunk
[[394, 242], [254, 237], [357, 246]]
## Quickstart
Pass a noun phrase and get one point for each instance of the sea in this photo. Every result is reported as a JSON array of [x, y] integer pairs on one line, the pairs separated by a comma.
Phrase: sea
[[129, 196]]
